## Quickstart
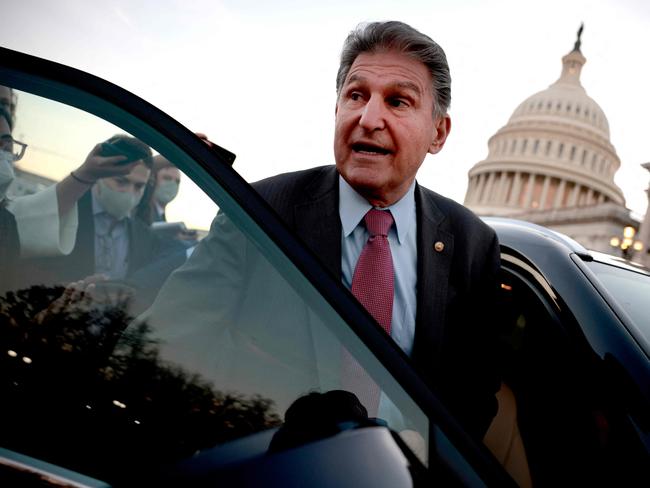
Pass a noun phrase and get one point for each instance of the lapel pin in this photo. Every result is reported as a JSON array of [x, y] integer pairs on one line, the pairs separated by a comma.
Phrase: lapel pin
[[439, 246]]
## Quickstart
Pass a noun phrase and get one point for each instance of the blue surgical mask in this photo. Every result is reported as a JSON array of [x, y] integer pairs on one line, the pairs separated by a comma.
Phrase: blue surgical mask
[[7, 174]]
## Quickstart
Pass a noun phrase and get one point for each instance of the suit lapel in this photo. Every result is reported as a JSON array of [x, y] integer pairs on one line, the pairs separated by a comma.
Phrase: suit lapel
[[434, 265], [317, 221]]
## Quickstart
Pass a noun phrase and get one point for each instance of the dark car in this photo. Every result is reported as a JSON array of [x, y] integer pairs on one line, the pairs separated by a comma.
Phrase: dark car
[[96, 392], [575, 353]]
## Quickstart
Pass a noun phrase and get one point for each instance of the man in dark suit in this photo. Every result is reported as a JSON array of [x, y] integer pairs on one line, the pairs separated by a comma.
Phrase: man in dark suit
[[393, 90]]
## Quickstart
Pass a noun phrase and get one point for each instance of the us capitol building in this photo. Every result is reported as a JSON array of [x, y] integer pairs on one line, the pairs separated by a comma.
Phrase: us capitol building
[[553, 164]]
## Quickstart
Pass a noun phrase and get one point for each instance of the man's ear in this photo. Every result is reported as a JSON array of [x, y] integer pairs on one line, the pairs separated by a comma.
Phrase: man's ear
[[441, 129]]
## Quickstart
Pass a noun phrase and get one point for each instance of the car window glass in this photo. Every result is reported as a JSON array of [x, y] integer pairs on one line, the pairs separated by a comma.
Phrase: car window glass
[[630, 289], [195, 338]]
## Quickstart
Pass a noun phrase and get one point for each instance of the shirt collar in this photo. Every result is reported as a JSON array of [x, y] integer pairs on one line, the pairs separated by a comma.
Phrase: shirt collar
[[352, 208]]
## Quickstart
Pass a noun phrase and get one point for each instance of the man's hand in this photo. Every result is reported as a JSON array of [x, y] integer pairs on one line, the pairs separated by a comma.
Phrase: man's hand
[[92, 292], [97, 166], [204, 138]]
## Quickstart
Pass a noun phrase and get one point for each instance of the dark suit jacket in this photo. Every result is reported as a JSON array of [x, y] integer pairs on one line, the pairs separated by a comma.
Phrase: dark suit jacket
[[230, 315], [144, 248], [9, 248], [456, 331]]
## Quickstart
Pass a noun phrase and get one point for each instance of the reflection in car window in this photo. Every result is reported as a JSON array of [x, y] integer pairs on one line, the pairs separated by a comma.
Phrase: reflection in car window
[[103, 374], [630, 289]]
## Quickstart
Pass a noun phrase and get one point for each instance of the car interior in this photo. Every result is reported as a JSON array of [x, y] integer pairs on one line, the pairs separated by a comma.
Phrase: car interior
[[561, 423]]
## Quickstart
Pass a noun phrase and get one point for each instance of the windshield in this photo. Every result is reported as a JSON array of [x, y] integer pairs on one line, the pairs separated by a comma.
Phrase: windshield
[[631, 290]]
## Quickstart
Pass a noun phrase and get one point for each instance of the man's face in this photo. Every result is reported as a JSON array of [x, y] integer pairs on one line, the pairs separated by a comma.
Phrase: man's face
[[135, 182], [168, 173], [384, 125]]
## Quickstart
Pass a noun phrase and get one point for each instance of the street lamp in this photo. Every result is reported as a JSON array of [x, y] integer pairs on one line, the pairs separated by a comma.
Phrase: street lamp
[[626, 242]]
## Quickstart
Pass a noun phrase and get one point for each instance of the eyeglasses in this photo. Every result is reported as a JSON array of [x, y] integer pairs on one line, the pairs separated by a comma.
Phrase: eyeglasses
[[9, 144]]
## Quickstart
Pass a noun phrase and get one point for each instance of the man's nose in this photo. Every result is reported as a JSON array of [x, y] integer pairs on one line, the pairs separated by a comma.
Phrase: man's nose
[[373, 115]]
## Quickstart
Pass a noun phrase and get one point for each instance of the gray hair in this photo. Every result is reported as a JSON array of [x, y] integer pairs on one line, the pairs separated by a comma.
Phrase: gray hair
[[398, 36]]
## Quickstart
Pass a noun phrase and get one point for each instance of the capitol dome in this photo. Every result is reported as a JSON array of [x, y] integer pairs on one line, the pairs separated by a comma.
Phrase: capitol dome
[[553, 157], [553, 153]]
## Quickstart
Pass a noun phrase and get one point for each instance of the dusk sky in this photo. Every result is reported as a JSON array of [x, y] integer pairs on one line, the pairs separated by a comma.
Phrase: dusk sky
[[259, 79]]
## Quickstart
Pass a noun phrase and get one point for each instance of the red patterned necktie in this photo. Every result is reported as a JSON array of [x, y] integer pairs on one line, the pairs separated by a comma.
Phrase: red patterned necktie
[[373, 281], [373, 286]]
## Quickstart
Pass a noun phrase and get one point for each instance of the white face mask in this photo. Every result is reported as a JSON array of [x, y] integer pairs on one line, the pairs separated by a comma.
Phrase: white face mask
[[166, 191], [117, 203], [7, 174]]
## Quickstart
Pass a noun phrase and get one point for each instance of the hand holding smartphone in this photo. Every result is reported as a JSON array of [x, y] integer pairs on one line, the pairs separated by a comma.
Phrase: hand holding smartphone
[[120, 147]]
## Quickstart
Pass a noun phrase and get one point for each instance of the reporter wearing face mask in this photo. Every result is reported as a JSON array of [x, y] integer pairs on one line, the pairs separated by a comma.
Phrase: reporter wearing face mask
[[168, 179], [109, 241]]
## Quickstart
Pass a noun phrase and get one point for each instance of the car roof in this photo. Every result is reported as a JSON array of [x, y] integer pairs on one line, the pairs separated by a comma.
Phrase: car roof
[[509, 229]]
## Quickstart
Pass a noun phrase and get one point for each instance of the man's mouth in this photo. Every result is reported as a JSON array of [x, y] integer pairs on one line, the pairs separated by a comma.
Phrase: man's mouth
[[365, 148]]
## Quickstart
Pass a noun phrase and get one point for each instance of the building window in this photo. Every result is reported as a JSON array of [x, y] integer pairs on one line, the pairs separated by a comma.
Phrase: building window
[[548, 147], [523, 146], [578, 109], [593, 162], [573, 153], [514, 145], [568, 107], [535, 146], [560, 150], [549, 105], [558, 106]]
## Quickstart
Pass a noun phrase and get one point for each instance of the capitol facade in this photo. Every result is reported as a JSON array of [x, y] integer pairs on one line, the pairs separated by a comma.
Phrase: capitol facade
[[553, 164]]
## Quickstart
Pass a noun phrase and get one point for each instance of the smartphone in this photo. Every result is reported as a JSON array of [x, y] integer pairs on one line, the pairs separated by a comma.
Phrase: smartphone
[[120, 147]]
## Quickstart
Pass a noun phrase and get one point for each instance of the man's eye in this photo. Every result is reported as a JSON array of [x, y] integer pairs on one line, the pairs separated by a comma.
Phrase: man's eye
[[355, 96], [397, 102]]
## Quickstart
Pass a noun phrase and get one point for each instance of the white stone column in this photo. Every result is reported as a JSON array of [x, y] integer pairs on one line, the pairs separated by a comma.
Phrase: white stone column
[[476, 189], [470, 190], [516, 188], [488, 188], [480, 183], [529, 191]]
